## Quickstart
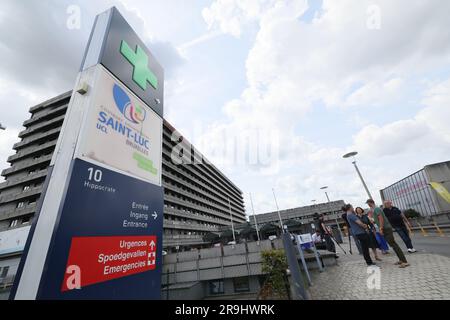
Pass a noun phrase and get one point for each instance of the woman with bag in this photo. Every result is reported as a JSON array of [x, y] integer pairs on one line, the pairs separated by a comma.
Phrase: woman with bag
[[373, 243]]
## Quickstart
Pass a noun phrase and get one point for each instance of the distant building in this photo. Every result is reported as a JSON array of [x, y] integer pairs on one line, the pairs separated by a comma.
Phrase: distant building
[[298, 220], [304, 214], [195, 195], [426, 191]]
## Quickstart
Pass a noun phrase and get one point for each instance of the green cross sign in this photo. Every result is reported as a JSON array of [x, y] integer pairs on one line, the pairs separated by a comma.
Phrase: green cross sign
[[139, 59]]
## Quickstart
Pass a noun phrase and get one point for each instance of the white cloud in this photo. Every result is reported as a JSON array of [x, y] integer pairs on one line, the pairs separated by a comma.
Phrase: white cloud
[[337, 61], [41, 56]]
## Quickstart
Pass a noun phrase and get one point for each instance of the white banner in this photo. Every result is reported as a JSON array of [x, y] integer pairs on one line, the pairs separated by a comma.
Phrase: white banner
[[304, 238]]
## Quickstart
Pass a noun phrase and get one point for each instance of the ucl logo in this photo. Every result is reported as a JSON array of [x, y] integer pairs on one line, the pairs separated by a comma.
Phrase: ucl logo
[[135, 114]]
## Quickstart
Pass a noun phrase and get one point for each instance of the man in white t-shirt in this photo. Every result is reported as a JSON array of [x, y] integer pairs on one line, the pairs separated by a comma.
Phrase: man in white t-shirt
[[316, 237]]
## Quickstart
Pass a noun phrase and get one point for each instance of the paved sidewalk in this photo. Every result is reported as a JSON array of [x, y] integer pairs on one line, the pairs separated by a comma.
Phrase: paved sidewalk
[[428, 278]]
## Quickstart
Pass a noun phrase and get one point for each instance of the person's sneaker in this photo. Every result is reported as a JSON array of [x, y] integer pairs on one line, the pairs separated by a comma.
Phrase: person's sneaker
[[403, 265], [412, 250], [378, 259], [398, 263]]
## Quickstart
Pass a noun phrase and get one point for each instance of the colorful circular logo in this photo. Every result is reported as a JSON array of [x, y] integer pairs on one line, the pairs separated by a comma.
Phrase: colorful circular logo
[[135, 114]]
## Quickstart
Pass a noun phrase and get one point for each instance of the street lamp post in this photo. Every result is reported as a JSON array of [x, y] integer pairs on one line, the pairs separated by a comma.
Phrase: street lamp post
[[353, 154], [331, 211]]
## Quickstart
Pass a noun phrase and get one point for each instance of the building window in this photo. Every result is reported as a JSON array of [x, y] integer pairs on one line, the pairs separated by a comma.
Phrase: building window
[[20, 205], [26, 219], [241, 284], [216, 287], [13, 223], [3, 273]]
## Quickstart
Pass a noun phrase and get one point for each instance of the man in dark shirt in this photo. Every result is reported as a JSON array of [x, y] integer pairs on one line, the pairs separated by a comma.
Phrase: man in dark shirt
[[398, 220]]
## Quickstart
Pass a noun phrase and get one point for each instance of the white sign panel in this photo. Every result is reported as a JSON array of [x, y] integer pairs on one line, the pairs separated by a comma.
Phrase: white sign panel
[[304, 238], [13, 240], [121, 131]]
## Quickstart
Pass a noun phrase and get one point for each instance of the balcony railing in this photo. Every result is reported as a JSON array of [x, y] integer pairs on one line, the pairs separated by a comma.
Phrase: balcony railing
[[27, 164], [33, 176], [17, 212]]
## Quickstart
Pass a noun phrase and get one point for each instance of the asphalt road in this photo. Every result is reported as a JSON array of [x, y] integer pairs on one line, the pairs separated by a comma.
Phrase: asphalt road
[[431, 244]]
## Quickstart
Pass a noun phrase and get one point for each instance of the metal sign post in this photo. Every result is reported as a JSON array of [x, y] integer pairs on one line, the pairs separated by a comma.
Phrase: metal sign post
[[98, 230], [316, 254], [297, 279], [303, 239]]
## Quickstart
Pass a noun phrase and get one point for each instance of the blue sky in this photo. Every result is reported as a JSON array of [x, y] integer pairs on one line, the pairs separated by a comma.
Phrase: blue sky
[[315, 78]]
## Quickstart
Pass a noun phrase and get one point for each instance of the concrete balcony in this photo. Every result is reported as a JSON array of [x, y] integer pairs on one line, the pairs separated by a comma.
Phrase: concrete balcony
[[22, 180], [37, 137], [9, 214], [200, 208], [184, 240], [201, 181], [45, 104], [48, 124], [27, 164], [189, 205], [224, 211], [219, 194], [33, 150], [194, 197], [61, 110], [193, 216], [21, 195], [199, 167], [214, 198], [213, 174], [168, 224]]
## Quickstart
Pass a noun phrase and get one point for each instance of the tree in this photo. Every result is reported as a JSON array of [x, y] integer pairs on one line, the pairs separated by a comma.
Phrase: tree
[[412, 214]]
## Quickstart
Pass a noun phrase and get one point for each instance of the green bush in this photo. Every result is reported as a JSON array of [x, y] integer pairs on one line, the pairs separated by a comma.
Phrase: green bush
[[274, 264], [412, 214]]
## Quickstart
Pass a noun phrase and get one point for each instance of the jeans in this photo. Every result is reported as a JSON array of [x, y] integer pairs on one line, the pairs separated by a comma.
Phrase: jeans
[[389, 236], [404, 234], [364, 241], [358, 245]]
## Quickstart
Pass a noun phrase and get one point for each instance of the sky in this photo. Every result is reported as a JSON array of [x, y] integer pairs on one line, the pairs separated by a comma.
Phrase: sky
[[272, 92]]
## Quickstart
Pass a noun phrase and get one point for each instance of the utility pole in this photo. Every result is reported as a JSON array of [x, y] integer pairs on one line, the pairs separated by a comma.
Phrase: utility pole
[[254, 217], [231, 217], [278, 210]]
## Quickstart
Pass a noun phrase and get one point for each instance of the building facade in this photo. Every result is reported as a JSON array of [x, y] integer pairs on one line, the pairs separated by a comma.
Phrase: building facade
[[197, 196], [425, 191], [305, 214]]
